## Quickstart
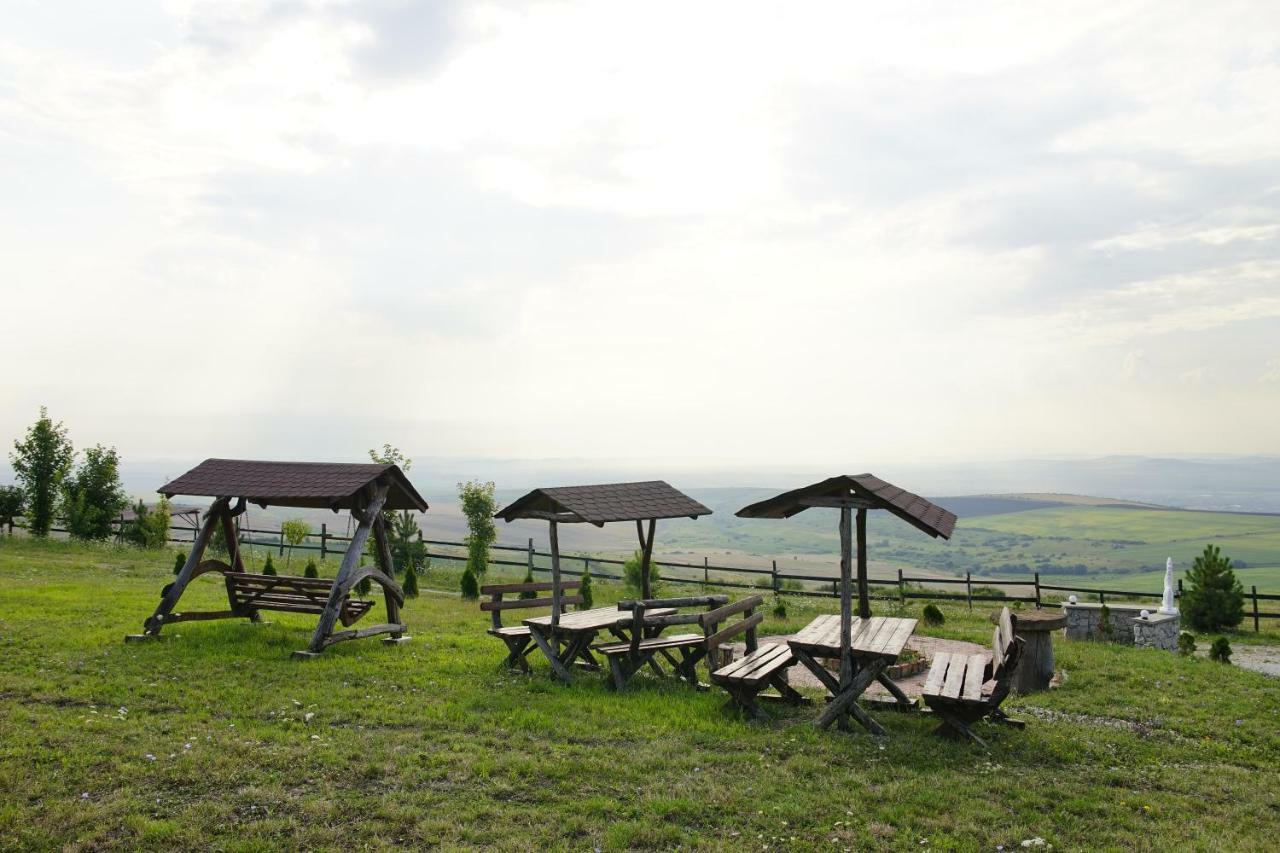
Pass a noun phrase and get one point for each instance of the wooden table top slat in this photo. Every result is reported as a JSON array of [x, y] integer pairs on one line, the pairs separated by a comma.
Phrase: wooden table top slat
[[879, 636], [596, 619], [973, 678]]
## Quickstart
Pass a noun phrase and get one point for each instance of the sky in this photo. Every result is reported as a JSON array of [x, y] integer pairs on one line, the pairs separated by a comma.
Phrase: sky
[[671, 233]]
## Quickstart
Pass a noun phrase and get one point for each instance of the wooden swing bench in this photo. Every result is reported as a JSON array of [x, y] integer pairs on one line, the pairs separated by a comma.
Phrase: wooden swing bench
[[962, 689], [365, 489]]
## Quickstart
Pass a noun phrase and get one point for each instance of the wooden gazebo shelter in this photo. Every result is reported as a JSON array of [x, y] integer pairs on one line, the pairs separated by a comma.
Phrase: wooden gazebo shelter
[[639, 502], [364, 489], [849, 493]]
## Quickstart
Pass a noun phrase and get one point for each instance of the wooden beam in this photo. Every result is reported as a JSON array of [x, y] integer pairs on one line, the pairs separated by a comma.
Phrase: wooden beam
[[646, 553], [349, 560], [846, 604], [864, 601], [388, 568], [214, 516], [554, 536], [837, 502]]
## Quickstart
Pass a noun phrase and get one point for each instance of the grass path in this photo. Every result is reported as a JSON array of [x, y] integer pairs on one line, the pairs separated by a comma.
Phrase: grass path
[[215, 739]]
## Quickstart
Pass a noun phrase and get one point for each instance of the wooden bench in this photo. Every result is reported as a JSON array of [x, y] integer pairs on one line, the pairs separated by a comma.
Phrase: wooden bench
[[249, 593], [518, 638], [645, 645], [962, 688], [762, 667]]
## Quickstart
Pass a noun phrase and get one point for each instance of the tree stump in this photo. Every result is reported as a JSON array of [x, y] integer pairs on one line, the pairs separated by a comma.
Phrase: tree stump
[[1035, 628]]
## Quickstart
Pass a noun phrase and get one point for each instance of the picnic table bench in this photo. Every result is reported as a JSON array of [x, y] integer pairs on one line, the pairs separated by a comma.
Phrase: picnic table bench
[[648, 617], [962, 689], [569, 638], [518, 638], [875, 643], [762, 667]]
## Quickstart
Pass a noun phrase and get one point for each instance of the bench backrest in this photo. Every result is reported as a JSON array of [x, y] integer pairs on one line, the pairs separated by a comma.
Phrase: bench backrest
[[498, 602], [1005, 646], [714, 611]]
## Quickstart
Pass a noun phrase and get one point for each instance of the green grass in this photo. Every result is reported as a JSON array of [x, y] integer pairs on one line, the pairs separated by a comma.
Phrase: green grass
[[203, 741]]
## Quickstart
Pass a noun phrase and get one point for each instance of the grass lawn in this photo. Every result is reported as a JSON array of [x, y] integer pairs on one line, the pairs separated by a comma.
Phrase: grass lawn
[[215, 738]]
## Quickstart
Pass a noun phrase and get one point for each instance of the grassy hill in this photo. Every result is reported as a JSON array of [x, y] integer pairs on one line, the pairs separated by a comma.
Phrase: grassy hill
[[215, 739]]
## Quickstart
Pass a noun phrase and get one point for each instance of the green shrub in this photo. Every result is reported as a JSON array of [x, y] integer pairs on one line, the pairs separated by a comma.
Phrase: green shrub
[[1214, 599], [12, 502], [478, 505], [92, 496], [410, 585], [1186, 643], [993, 591], [364, 586], [631, 575], [179, 560], [779, 608], [41, 462], [1220, 650], [585, 590], [311, 571], [528, 578], [150, 527], [932, 615], [269, 568], [295, 532], [470, 586]]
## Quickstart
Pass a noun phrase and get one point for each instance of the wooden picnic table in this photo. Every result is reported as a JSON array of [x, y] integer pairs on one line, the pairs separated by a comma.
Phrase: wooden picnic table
[[875, 643], [572, 637]]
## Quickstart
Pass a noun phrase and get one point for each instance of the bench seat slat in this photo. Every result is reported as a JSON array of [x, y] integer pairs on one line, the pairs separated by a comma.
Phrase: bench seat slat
[[671, 642], [757, 666], [973, 679], [955, 677]]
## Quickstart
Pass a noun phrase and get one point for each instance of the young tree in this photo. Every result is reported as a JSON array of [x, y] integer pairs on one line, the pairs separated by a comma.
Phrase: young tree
[[11, 504], [588, 597], [478, 505], [269, 567], [410, 585], [1214, 599], [311, 571], [631, 574], [179, 560], [470, 586], [528, 578], [295, 531], [41, 462], [408, 551], [92, 497], [150, 526]]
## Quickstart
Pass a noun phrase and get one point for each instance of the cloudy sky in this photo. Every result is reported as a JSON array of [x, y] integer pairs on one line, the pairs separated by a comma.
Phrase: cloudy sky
[[696, 233]]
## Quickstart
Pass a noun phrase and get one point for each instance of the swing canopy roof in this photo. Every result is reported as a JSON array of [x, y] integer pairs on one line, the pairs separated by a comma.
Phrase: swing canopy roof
[[603, 503], [320, 485], [858, 489]]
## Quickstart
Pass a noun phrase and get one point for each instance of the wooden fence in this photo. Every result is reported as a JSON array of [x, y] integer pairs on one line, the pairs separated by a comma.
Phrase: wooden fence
[[903, 588]]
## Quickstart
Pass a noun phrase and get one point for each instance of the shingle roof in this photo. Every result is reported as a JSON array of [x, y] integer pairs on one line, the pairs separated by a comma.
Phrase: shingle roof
[[913, 509], [301, 484], [606, 502]]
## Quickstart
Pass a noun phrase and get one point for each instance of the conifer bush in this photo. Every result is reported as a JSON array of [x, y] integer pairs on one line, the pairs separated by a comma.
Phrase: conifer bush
[[311, 571], [470, 586], [1186, 643], [410, 585], [932, 615], [1214, 599], [585, 591], [179, 560], [1220, 650], [269, 568], [528, 578]]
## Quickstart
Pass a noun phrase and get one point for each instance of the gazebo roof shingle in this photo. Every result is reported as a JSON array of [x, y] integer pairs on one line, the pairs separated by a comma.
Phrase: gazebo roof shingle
[[605, 502], [327, 485]]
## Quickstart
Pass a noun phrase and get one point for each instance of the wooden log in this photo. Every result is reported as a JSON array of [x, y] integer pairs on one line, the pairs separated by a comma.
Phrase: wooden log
[[646, 544], [556, 604], [175, 590], [687, 601], [864, 600], [846, 598], [347, 568], [387, 565], [1035, 669]]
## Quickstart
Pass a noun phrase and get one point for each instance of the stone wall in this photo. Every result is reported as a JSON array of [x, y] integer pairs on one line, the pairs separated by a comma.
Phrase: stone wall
[[1123, 624]]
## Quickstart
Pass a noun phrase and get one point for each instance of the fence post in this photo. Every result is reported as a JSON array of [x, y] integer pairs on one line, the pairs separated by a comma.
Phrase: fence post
[[1102, 597], [281, 541], [776, 583], [324, 539], [1037, 590], [530, 556], [902, 589], [706, 577], [1179, 587], [1255, 610], [968, 588], [586, 565]]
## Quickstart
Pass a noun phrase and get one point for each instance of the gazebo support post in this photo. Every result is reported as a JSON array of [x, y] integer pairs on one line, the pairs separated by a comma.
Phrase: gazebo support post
[[153, 625], [554, 536], [864, 600], [846, 601], [646, 555]]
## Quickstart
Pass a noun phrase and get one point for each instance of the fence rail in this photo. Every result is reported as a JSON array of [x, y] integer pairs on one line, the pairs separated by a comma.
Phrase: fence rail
[[906, 586]]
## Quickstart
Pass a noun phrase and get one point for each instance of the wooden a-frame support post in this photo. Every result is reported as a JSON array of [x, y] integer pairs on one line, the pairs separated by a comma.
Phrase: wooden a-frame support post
[[369, 517], [219, 513]]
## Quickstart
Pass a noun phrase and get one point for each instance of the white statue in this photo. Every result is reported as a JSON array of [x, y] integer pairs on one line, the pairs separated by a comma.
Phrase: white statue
[[1166, 604]]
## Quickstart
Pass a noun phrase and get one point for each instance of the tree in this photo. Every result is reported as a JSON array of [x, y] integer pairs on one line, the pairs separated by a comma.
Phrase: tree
[[150, 526], [41, 462], [470, 586], [295, 531], [588, 597], [410, 585], [631, 573], [311, 571], [92, 497], [12, 504], [1214, 599], [478, 505], [269, 568], [408, 551]]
